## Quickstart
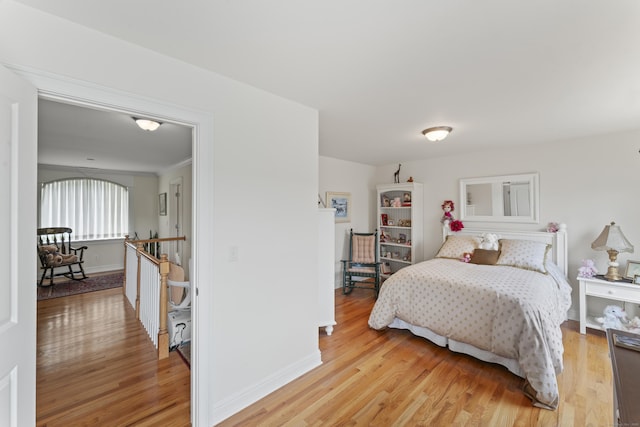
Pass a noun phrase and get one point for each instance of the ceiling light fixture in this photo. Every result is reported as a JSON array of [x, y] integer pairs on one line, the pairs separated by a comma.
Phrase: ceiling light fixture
[[437, 133], [146, 124]]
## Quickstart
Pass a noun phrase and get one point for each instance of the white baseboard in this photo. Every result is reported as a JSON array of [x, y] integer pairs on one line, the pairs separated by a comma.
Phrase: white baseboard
[[103, 268], [238, 401]]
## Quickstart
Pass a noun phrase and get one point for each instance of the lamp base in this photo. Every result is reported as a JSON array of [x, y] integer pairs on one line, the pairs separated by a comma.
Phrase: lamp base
[[613, 274], [612, 271]]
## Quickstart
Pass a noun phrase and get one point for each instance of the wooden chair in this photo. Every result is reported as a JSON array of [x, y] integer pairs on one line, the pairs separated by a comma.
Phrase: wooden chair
[[55, 251], [362, 263]]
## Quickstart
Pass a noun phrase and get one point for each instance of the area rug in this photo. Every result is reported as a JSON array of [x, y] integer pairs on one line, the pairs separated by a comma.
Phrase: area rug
[[74, 287]]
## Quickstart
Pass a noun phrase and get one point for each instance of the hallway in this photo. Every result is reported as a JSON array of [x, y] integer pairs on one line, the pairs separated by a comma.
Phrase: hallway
[[96, 366]]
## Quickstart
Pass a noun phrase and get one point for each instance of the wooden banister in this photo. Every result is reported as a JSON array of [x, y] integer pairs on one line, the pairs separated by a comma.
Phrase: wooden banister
[[163, 335]]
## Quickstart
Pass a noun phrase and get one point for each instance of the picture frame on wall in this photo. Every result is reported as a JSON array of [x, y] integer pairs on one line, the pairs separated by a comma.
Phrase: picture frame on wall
[[162, 204], [341, 202]]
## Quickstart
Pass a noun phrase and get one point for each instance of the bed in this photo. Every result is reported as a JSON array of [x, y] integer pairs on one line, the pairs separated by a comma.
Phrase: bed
[[503, 307]]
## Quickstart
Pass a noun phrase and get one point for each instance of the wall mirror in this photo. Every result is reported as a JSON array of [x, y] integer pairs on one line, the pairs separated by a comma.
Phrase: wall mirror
[[506, 198]]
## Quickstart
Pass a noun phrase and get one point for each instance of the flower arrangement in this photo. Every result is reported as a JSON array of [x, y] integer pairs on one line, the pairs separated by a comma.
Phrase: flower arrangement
[[456, 225]]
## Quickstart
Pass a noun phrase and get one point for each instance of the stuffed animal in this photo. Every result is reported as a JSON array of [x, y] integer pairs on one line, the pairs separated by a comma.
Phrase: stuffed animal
[[489, 241], [634, 325], [448, 207], [588, 268], [54, 258], [614, 317], [466, 257]]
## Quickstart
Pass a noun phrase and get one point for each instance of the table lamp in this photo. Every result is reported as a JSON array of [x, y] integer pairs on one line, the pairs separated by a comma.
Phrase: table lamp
[[613, 241]]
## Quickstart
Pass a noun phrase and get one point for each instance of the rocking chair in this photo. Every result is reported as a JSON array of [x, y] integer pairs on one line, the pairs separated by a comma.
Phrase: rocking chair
[[362, 263], [55, 251]]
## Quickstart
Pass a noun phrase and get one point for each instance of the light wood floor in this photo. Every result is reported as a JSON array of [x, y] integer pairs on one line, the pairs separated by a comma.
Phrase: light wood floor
[[96, 367], [393, 378]]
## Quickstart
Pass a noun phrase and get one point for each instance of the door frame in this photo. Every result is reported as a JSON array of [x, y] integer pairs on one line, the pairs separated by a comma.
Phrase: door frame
[[68, 90]]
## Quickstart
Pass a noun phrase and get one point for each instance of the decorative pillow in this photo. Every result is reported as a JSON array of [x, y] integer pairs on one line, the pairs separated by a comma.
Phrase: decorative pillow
[[525, 254], [484, 257], [455, 246]]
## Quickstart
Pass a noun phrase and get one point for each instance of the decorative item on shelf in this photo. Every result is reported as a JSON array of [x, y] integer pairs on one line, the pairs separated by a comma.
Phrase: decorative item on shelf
[[386, 202], [406, 199], [396, 175], [553, 227], [390, 222], [386, 268], [383, 237], [395, 255], [410, 179], [402, 238], [588, 269], [397, 203], [613, 241], [448, 207], [384, 218], [614, 317], [404, 223]]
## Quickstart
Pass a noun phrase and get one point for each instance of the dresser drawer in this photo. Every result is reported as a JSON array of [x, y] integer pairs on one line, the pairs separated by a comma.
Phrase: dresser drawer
[[630, 293]]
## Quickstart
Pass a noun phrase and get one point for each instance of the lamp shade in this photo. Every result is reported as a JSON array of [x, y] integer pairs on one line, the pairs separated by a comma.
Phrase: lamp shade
[[612, 238]]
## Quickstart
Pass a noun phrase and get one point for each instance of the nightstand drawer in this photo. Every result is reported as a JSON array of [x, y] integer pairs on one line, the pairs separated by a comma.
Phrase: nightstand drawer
[[615, 291]]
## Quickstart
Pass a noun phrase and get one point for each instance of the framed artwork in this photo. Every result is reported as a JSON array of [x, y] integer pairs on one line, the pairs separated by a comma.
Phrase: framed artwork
[[341, 202], [633, 268], [162, 204]]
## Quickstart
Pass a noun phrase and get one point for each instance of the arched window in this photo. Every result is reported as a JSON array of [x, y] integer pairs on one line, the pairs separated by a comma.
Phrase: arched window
[[93, 208]]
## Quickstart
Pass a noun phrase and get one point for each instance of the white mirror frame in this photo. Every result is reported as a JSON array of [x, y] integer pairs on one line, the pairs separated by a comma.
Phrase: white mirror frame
[[496, 181]]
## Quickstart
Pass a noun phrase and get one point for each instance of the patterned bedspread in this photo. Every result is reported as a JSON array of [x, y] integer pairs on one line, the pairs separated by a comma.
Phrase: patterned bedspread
[[511, 312]]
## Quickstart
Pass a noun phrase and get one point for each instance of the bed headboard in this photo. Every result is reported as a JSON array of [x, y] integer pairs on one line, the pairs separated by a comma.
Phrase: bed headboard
[[557, 240]]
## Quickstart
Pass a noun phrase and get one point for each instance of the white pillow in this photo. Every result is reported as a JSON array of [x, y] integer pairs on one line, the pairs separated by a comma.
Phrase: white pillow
[[525, 254], [455, 246]]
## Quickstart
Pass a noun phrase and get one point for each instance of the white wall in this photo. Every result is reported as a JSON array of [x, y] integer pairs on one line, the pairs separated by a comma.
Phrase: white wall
[[166, 229], [359, 180], [585, 183], [261, 329]]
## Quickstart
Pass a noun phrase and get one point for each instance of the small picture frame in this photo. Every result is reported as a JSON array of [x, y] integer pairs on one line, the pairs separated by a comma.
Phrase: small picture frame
[[633, 268], [341, 202], [162, 204], [386, 202]]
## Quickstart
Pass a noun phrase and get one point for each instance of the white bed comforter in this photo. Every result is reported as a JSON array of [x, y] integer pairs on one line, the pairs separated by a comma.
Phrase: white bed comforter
[[508, 311]]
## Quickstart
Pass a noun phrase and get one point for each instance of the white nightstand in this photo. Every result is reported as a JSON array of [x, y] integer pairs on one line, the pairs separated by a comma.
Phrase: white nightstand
[[617, 291]]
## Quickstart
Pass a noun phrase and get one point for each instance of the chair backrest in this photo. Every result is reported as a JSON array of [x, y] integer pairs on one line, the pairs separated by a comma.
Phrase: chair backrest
[[56, 236], [363, 247]]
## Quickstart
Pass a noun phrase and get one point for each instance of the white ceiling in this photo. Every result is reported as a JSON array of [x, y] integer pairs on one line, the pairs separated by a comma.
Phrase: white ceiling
[[499, 72], [73, 136]]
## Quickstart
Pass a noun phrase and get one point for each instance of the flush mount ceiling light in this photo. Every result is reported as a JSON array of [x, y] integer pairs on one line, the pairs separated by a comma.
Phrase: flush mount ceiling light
[[146, 124], [437, 133]]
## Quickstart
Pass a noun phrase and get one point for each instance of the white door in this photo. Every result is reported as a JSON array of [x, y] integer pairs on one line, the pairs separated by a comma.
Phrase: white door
[[18, 160]]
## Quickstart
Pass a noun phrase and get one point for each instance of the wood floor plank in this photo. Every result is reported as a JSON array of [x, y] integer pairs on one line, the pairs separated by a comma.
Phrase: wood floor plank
[[392, 378], [96, 367]]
